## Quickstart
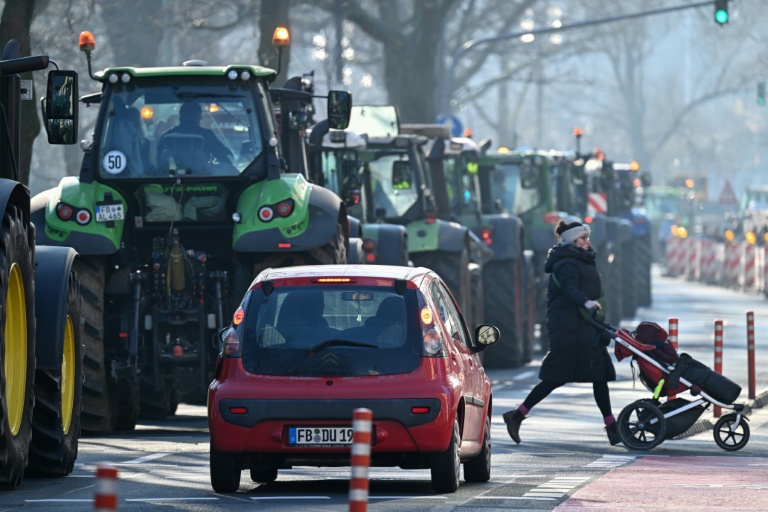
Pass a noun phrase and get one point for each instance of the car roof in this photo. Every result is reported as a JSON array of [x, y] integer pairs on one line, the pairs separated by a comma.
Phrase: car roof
[[412, 274]]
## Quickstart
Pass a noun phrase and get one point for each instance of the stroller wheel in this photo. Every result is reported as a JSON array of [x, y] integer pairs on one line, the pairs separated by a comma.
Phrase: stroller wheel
[[729, 435], [642, 425]]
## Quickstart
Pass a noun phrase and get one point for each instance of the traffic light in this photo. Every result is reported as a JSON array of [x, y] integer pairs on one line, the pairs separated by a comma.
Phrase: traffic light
[[721, 12], [761, 94]]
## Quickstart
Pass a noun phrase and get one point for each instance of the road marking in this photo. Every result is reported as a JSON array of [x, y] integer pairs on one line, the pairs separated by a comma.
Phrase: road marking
[[290, 497], [610, 461], [532, 498], [428, 497], [90, 500], [210, 498], [145, 459], [557, 487]]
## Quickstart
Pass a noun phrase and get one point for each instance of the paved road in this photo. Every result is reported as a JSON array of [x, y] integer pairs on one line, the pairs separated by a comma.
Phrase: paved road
[[563, 463]]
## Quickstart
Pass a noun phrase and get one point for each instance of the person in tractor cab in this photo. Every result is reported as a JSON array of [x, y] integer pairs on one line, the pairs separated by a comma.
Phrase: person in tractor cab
[[190, 146]]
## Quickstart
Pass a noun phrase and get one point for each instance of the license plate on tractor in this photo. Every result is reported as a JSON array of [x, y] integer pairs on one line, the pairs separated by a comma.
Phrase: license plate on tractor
[[320, 436], [109, 212]]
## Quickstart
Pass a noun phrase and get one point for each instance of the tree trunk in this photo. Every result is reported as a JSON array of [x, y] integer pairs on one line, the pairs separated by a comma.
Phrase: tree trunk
[[133, 46], [14, 24]]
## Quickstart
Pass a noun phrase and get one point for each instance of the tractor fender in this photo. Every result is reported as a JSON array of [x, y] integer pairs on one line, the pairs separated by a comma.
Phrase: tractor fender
[[325, 211], [13, 192], [355, 252], [354, 227], [626, 231], [52, 267], [506, 233], [91, 239], [391, 242], [439, 235]]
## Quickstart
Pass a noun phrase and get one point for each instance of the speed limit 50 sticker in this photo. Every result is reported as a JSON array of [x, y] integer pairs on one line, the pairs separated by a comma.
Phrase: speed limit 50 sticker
[[114, 162]]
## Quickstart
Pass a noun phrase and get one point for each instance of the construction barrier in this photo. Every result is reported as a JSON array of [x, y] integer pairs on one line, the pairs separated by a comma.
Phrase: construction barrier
[[107, 487], [362, 426]]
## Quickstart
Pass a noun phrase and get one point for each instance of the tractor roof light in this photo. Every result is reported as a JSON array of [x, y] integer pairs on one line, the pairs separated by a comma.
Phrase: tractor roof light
[[578, 132], [634, 166], [87, 42], [281, 38]]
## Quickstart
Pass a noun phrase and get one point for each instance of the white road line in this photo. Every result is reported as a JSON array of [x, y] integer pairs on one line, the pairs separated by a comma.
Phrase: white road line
[[211, 498], [145, 459], [290, 497], [428, 497]]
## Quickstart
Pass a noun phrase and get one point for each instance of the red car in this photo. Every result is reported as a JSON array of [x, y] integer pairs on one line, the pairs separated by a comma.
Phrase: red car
[[309, 345]]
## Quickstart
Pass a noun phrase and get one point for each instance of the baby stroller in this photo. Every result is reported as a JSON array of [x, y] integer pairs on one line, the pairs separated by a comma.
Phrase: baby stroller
[[645, 423]]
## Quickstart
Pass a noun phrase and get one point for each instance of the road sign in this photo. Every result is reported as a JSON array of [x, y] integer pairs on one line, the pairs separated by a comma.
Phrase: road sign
[[453, 123], [728, 196]]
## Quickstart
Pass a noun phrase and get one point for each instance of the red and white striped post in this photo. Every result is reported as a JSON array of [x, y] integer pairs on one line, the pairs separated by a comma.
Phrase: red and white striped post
[[673, 341], [107, 487], [718, 357], [362, 426], [751, 353]]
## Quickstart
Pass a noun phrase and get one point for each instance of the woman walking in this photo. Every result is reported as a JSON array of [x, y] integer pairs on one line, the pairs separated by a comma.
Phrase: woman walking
[[577, 350]]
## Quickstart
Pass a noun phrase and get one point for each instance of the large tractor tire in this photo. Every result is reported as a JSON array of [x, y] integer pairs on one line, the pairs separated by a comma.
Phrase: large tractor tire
[[99, 410], [159, 404], [477, 298], [17, 348], [644, 260], [453, 268], [630, 279], [503, 295], [528, 306], [58, 399]]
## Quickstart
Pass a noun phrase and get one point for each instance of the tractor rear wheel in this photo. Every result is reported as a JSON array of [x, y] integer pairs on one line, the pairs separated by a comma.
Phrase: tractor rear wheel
[[58, 400], [17, 348], [99, 414], [333, 252], [503, 288]]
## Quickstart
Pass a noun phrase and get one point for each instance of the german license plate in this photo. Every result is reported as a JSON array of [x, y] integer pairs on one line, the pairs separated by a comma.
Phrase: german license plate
[[109, 212], [320, 436]]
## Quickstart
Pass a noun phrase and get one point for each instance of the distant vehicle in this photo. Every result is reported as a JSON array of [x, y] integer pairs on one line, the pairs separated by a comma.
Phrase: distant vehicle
[[309, 345]]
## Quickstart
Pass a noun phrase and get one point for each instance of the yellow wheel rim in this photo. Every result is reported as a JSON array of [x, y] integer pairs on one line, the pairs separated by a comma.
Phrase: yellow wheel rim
[[68, 375], [15, 349]]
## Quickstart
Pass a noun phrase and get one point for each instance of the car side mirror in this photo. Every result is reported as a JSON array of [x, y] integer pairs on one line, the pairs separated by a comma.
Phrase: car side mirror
[[486, 335], [61, 107]]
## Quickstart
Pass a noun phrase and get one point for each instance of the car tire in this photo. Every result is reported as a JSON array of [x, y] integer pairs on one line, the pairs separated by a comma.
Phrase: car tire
[[446, 466], [478, 468], [225, 472], [264, 476]]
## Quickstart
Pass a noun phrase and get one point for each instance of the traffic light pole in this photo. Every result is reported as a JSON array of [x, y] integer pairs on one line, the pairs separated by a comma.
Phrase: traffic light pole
[[473, 43]]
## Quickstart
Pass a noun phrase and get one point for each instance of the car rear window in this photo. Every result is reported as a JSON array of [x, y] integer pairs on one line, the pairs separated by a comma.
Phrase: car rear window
[[335, 330]]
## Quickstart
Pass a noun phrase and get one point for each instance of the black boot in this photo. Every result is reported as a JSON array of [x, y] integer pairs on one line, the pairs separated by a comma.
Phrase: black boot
[[513, 419], [613, 433]]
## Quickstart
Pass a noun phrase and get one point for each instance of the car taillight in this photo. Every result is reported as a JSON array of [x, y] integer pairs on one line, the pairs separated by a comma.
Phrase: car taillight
[[433, 343], [231, 342]]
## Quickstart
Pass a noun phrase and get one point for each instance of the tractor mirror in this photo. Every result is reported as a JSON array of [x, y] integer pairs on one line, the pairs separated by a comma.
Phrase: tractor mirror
[[339, 109], [61, 107]]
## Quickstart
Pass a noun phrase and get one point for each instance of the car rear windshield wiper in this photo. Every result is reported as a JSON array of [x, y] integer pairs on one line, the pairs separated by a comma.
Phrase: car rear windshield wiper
[[339, 343]]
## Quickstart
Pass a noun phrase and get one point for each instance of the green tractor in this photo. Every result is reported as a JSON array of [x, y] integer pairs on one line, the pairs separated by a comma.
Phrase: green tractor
[[520, 184], [501, 255], [41, 352], [185, 194], [398, 189]]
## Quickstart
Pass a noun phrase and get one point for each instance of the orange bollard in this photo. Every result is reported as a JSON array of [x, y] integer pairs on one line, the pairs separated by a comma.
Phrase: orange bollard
[[718, 357], [751, 353], [107, 486], [673, 341], [362, 426]]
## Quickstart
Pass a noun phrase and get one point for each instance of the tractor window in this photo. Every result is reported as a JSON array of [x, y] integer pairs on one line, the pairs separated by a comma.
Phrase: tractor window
[[163, 127], [392, 194], [342, 172], [509, 190]]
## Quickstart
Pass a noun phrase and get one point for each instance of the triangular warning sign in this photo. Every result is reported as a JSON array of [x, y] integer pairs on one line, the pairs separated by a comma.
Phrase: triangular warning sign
[[728, 196]]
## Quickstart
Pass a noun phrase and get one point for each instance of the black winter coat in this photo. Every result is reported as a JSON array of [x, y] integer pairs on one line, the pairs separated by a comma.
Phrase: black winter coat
[[576, 349]]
